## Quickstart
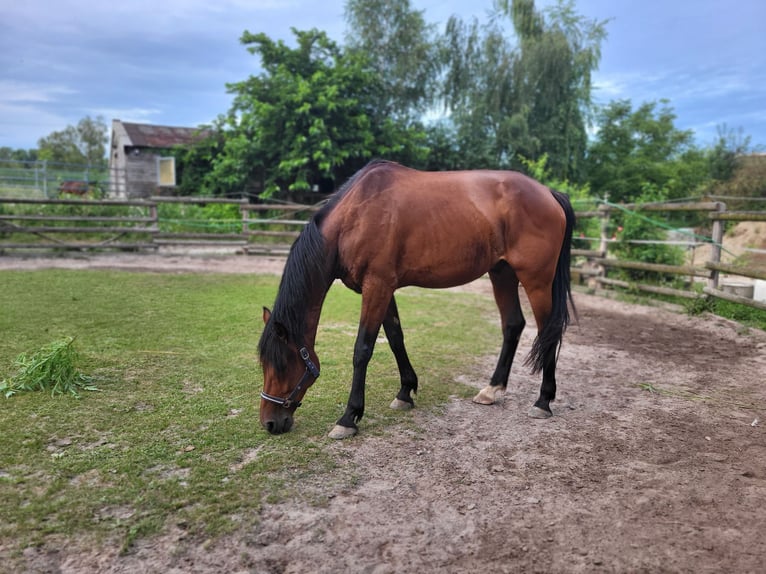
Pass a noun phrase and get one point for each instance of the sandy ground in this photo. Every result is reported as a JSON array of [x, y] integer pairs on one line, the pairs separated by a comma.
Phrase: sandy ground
[[655, 461]]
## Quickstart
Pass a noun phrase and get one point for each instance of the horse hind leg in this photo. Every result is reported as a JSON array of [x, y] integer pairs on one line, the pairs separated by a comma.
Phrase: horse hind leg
[[541, 409], [545, 349], [409, 380], [505, 286]]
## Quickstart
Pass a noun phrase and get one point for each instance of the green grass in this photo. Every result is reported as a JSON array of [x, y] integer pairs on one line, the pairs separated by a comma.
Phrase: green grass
[[173, 435]]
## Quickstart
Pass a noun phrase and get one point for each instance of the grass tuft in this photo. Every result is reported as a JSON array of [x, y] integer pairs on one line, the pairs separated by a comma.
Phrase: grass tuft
[[52, 369]]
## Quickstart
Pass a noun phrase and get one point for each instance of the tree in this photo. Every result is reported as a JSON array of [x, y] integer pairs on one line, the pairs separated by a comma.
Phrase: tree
[[727, 153], [17, 155], [525, 99], [734, 168], [558, 53], [84, 143], [402, 50], [636, 149], [309, 119], [479, 93], [194, 164]]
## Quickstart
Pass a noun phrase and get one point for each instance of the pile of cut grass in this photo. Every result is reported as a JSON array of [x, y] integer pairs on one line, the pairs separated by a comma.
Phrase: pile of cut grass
[[52, 369]]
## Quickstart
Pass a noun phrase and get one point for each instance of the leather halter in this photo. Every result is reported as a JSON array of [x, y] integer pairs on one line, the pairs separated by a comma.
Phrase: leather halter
[[311, 371]]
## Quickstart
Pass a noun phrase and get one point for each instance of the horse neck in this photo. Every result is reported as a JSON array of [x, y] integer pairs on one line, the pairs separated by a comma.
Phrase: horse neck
[[307, 277], [313, 312]]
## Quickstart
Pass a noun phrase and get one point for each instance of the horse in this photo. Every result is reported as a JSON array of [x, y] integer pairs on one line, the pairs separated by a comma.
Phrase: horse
[[79, 188], [391, 226], [74, 187]]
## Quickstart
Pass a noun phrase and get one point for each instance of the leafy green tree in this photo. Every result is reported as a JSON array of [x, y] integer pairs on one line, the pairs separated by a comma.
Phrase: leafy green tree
[[747, 181], [84, 143], [527, 98], [558, 53], [308, 119], [8, 154], [479, 93], [194, 163], [403, 51], [634, 149], [727, 153]]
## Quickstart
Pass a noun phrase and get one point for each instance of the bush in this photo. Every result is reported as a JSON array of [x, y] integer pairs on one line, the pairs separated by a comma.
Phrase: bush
[[636, 226]]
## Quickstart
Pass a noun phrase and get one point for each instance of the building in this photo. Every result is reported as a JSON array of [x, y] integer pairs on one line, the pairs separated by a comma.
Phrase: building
[[140, 162]]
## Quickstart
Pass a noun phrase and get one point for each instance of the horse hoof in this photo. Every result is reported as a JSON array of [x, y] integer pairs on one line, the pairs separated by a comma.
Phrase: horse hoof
[[340, 432], [538, 413], [399, 405], [489, 395]]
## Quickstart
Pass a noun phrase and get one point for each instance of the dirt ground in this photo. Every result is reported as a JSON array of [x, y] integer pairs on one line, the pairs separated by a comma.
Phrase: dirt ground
[[655, 461]]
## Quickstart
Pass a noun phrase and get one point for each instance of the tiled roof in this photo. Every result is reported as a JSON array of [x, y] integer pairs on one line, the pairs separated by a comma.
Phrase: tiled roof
[[147, 135]]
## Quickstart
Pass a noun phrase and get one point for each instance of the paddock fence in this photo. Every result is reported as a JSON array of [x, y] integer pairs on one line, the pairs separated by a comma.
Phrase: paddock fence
[[150, 224], [161, 223], [743, 280]]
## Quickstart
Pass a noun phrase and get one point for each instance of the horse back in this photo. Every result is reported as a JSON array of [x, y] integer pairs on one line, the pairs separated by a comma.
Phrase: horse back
[[438, 229]]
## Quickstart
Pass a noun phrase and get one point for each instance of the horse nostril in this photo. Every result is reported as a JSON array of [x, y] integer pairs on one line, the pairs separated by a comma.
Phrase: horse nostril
[[279, 425]]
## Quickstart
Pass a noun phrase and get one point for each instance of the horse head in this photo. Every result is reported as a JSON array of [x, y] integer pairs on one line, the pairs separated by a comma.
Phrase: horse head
[[289, 370]]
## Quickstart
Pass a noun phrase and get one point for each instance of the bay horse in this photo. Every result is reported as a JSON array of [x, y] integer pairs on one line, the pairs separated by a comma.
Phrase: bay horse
[[74, 187], [391, 226]]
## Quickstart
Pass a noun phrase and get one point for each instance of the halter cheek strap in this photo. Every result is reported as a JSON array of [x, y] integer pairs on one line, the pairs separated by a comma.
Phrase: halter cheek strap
[[311, 371]]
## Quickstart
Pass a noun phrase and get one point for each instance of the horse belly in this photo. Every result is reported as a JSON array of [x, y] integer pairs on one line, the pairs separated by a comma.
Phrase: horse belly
[[445, 260]]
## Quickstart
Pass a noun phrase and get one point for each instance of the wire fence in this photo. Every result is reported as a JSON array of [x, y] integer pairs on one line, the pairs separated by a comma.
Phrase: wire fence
[[49, 179]]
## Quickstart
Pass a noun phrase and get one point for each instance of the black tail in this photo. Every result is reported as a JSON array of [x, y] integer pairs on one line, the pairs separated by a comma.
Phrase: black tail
[[553, 331]]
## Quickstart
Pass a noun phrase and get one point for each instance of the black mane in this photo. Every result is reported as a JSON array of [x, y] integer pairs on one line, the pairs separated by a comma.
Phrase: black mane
[[308, 270]]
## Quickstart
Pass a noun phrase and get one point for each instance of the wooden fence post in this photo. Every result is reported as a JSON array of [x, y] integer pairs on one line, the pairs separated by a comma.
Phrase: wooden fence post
[[715, 253], [154, 214], [603, 246]]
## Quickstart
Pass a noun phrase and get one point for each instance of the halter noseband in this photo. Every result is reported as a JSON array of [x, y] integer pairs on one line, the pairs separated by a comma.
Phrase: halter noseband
[[311, 371]]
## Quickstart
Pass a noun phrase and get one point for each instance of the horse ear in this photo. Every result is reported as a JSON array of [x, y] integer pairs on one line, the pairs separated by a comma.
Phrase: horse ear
[[279, 328], [281, 331]]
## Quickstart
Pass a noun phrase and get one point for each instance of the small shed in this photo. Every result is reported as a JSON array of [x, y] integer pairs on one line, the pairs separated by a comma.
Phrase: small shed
[[139, 160]]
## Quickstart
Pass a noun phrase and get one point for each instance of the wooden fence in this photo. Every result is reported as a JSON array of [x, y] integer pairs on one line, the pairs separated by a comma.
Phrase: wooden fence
[[89, 224], [596, 264], [271, 228]]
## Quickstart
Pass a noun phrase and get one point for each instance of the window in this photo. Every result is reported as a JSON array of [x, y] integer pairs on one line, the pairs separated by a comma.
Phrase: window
[[166, 171]]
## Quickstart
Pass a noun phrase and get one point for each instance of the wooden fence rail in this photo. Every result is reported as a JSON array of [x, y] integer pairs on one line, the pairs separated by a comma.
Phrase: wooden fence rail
[[598, 263], [271, 228]]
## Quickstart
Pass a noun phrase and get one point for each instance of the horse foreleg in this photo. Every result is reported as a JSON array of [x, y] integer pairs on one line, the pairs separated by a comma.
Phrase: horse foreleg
[[374, 308], [409, 380], [505, 286]]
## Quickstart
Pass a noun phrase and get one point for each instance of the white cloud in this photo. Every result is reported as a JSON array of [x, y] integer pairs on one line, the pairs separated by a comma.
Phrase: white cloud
[[134, 115], [13, 91]]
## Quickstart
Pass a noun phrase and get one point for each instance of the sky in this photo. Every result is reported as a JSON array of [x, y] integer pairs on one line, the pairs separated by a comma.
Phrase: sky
[[168, 62]]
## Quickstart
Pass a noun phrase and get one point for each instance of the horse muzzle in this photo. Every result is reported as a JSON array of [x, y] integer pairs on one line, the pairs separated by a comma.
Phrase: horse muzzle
[[279, 422]]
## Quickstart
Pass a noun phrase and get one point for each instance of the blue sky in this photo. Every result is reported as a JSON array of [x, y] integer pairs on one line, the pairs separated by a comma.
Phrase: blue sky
[[167, 62]]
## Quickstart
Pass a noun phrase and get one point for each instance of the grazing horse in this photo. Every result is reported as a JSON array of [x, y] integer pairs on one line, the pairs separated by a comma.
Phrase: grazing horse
[[74, 187], [390, 226]]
